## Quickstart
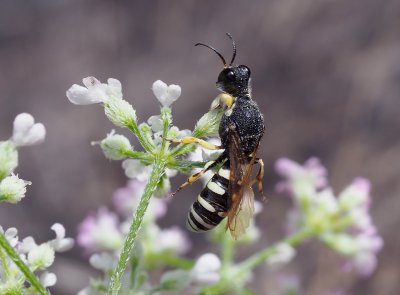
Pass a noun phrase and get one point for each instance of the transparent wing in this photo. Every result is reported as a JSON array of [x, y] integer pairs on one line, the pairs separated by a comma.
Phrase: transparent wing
[[241, 202], [242, 218]]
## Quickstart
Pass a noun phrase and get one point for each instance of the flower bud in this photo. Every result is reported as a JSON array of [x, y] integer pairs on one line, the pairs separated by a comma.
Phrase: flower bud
[[13, 189], [8, 158], [209, 123], [120, 112], [115, 146]]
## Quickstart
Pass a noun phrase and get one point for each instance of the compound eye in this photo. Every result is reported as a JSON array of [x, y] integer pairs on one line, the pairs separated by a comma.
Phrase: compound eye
[[230, 75]]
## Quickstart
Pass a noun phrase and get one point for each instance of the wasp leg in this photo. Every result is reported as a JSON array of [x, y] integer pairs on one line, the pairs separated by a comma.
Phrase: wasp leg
[[209, 165], [191, 139], [260, 175]]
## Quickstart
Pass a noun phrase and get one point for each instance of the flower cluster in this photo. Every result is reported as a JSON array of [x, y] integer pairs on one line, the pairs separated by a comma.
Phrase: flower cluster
[[342, 222], [37, 257], [21, 257], [26, 132]]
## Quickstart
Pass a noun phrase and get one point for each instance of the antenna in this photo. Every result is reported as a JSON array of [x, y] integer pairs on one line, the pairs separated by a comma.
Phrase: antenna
[[233, 47], [213, 49]]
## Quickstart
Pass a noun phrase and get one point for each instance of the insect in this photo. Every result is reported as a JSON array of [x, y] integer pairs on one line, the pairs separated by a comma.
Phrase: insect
[[229, 193]]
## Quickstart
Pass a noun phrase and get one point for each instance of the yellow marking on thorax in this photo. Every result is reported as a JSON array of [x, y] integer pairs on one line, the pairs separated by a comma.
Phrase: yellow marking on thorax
[[226, 100]]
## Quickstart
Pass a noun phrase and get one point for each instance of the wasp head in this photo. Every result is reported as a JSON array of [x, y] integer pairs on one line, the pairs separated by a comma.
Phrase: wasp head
[[234, 80]]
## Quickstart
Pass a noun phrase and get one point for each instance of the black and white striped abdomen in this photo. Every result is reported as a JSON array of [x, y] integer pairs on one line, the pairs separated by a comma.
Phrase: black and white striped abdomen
[[211, 205]]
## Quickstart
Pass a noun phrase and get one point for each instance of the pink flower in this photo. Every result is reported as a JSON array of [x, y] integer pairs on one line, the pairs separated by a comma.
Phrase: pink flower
[[100, 231], [127, 198], [311, 173]]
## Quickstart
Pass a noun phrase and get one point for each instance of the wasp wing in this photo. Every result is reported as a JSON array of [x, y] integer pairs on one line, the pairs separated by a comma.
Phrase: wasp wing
[[241, 202]]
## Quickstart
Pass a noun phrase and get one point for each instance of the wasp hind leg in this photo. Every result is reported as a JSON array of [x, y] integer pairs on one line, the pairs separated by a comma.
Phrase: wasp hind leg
[[202, 142], [209, 165], [259, 176]]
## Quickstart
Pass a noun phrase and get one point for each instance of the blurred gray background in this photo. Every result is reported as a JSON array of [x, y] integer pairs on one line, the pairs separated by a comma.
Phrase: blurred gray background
[[326, 74]]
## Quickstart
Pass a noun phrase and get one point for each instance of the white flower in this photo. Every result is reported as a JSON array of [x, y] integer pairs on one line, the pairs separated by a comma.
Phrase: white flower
[[26, 132], [13, 189], [284, 254], [61, 243], [203, 155], [41, 256], [48, 279], [172, 239], [114, 146], [27, 245], [94, 91], [166, 94], [103, 261], [206, 270], [11, 235], [155, 123], [135, 169]]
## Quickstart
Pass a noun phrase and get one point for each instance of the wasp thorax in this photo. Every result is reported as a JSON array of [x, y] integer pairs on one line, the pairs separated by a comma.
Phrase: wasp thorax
[[234, 80]]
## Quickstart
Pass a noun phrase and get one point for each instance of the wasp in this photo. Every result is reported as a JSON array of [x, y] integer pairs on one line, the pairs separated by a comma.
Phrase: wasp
[[229, 192]]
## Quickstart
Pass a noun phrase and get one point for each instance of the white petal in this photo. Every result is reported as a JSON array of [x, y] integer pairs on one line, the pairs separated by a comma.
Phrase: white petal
[[48, 279], [11, 236], [103, 261], [91, 82], [23, 122], [114, 87], [208, 262], [135, 169], [79, 95], [159, 89], [36, 134], [174, 91], [27, 245], [284, 253], [59, 230], [156, 123]]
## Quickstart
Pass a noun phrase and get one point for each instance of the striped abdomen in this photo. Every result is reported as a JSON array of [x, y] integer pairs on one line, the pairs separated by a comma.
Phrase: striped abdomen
[[211, 205]]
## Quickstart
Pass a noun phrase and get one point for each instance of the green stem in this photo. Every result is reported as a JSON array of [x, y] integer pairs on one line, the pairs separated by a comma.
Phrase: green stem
[[262, 256], [155, 176], [172, 260], [29, 275], [227, 250], [142, 139]]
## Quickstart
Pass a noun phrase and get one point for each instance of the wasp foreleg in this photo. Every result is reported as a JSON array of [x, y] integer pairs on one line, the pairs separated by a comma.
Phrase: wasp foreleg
[[191, 139]]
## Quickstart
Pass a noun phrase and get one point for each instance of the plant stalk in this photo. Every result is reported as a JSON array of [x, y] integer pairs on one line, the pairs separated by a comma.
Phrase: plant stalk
[[29, 275], [155, 176]]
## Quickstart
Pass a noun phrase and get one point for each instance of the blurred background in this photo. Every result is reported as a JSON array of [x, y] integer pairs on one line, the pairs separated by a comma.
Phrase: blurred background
[[326, 75]]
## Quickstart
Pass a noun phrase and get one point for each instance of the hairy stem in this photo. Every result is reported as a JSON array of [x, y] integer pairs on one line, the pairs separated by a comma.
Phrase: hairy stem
[[155, 176], [29, 275], [261, 257]]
